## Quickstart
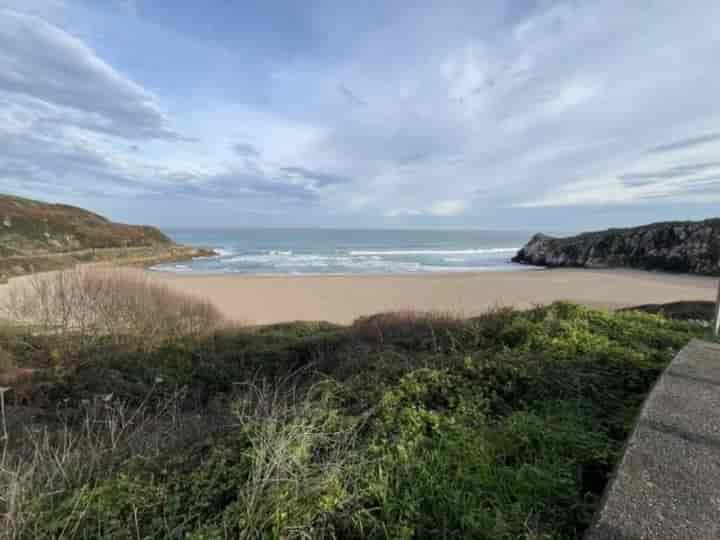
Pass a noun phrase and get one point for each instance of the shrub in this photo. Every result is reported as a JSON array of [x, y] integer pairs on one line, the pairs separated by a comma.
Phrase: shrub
[[95, 303], [413, 328]]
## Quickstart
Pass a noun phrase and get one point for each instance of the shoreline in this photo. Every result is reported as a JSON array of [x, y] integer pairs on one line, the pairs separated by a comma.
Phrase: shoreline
[[194, 274]]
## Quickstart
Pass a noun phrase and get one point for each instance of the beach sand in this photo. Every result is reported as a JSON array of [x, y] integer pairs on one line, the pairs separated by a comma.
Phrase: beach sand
[[341, 299]]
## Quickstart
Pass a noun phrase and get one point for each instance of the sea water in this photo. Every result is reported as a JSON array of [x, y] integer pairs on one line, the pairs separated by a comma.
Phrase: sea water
[[344, 251]]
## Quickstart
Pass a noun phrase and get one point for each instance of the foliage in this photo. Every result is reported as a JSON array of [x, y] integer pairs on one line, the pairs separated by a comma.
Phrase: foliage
[[400, 426]]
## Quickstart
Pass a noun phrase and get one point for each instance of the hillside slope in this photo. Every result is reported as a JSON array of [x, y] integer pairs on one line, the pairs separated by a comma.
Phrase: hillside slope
[[31, 228], [37, 236], [688, 246]]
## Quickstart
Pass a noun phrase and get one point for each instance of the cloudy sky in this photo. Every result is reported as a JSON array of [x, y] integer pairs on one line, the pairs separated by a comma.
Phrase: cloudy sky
[[384, 113]]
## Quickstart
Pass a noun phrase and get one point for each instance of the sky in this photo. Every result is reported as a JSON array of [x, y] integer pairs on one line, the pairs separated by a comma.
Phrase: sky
[[512, 114]]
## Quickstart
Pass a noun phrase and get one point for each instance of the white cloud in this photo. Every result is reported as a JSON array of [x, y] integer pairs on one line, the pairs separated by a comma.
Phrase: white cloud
[[40, 61], [479, 109], [682, 171], [403, 212], [570, 96], [447, 208]]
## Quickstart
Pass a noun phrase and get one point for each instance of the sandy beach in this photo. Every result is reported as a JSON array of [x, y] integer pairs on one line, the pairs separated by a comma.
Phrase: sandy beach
[[341, 299]]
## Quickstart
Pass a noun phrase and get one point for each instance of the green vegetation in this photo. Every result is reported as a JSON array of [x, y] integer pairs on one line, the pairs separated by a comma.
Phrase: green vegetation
[[400, 426]]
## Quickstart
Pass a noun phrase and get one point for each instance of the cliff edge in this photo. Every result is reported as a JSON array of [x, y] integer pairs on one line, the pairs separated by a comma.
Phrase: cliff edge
[[689, 247]]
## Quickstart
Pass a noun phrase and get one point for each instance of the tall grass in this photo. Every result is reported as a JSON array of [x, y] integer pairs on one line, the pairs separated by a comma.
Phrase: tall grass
[[97, 303], [300, 460], [42, 466], [289, 479]]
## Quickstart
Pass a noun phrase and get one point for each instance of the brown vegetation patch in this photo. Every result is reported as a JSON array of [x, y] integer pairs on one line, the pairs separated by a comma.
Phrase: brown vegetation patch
[[404, 324]]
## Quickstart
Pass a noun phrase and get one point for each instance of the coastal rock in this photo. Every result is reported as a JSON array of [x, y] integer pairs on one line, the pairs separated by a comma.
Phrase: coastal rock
[[689, 247]]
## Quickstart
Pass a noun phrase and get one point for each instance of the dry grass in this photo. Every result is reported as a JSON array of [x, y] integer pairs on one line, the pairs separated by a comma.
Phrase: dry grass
[[99, 302], [299, 461], [44, 463]]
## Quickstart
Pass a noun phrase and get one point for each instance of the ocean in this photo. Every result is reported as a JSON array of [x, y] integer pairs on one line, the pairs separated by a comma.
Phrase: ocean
[[344, 251]]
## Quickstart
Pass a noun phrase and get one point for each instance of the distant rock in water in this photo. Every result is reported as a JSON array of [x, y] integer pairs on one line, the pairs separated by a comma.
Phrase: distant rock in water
[[690, 247]]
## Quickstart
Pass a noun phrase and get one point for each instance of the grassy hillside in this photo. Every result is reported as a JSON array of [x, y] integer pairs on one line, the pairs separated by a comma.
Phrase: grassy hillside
[[31, 228], [400, 426], [37, 236]]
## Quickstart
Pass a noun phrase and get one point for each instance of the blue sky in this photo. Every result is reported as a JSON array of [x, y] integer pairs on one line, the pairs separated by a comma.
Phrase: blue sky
[[515, 114]]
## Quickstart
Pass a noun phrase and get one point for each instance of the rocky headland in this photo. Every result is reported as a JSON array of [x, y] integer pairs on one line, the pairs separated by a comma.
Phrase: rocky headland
[[688, 247]]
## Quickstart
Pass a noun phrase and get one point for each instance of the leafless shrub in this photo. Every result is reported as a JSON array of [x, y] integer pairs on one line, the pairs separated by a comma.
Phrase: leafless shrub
[[95, 303]]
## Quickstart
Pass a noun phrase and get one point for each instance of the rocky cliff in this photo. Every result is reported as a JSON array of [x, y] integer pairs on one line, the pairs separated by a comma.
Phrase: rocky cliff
[[692, 247]]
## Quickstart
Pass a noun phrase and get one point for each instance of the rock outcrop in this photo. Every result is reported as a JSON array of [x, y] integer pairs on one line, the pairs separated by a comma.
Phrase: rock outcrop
[[689, 247]]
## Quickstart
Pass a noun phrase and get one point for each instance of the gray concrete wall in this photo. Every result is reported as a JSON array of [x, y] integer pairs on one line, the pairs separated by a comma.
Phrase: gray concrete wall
[[667, 485]]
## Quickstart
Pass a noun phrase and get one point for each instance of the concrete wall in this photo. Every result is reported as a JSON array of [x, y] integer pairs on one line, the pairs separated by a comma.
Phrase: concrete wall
[[667, 485]]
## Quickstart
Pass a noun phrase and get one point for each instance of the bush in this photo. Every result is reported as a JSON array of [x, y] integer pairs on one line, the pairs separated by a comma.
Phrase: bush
[[413, 328], [95, 303]]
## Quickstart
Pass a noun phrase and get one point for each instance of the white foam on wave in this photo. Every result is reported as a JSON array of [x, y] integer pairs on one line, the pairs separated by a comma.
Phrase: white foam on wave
[[176, 268], [479, 251], [278, 257], [391, 261]]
